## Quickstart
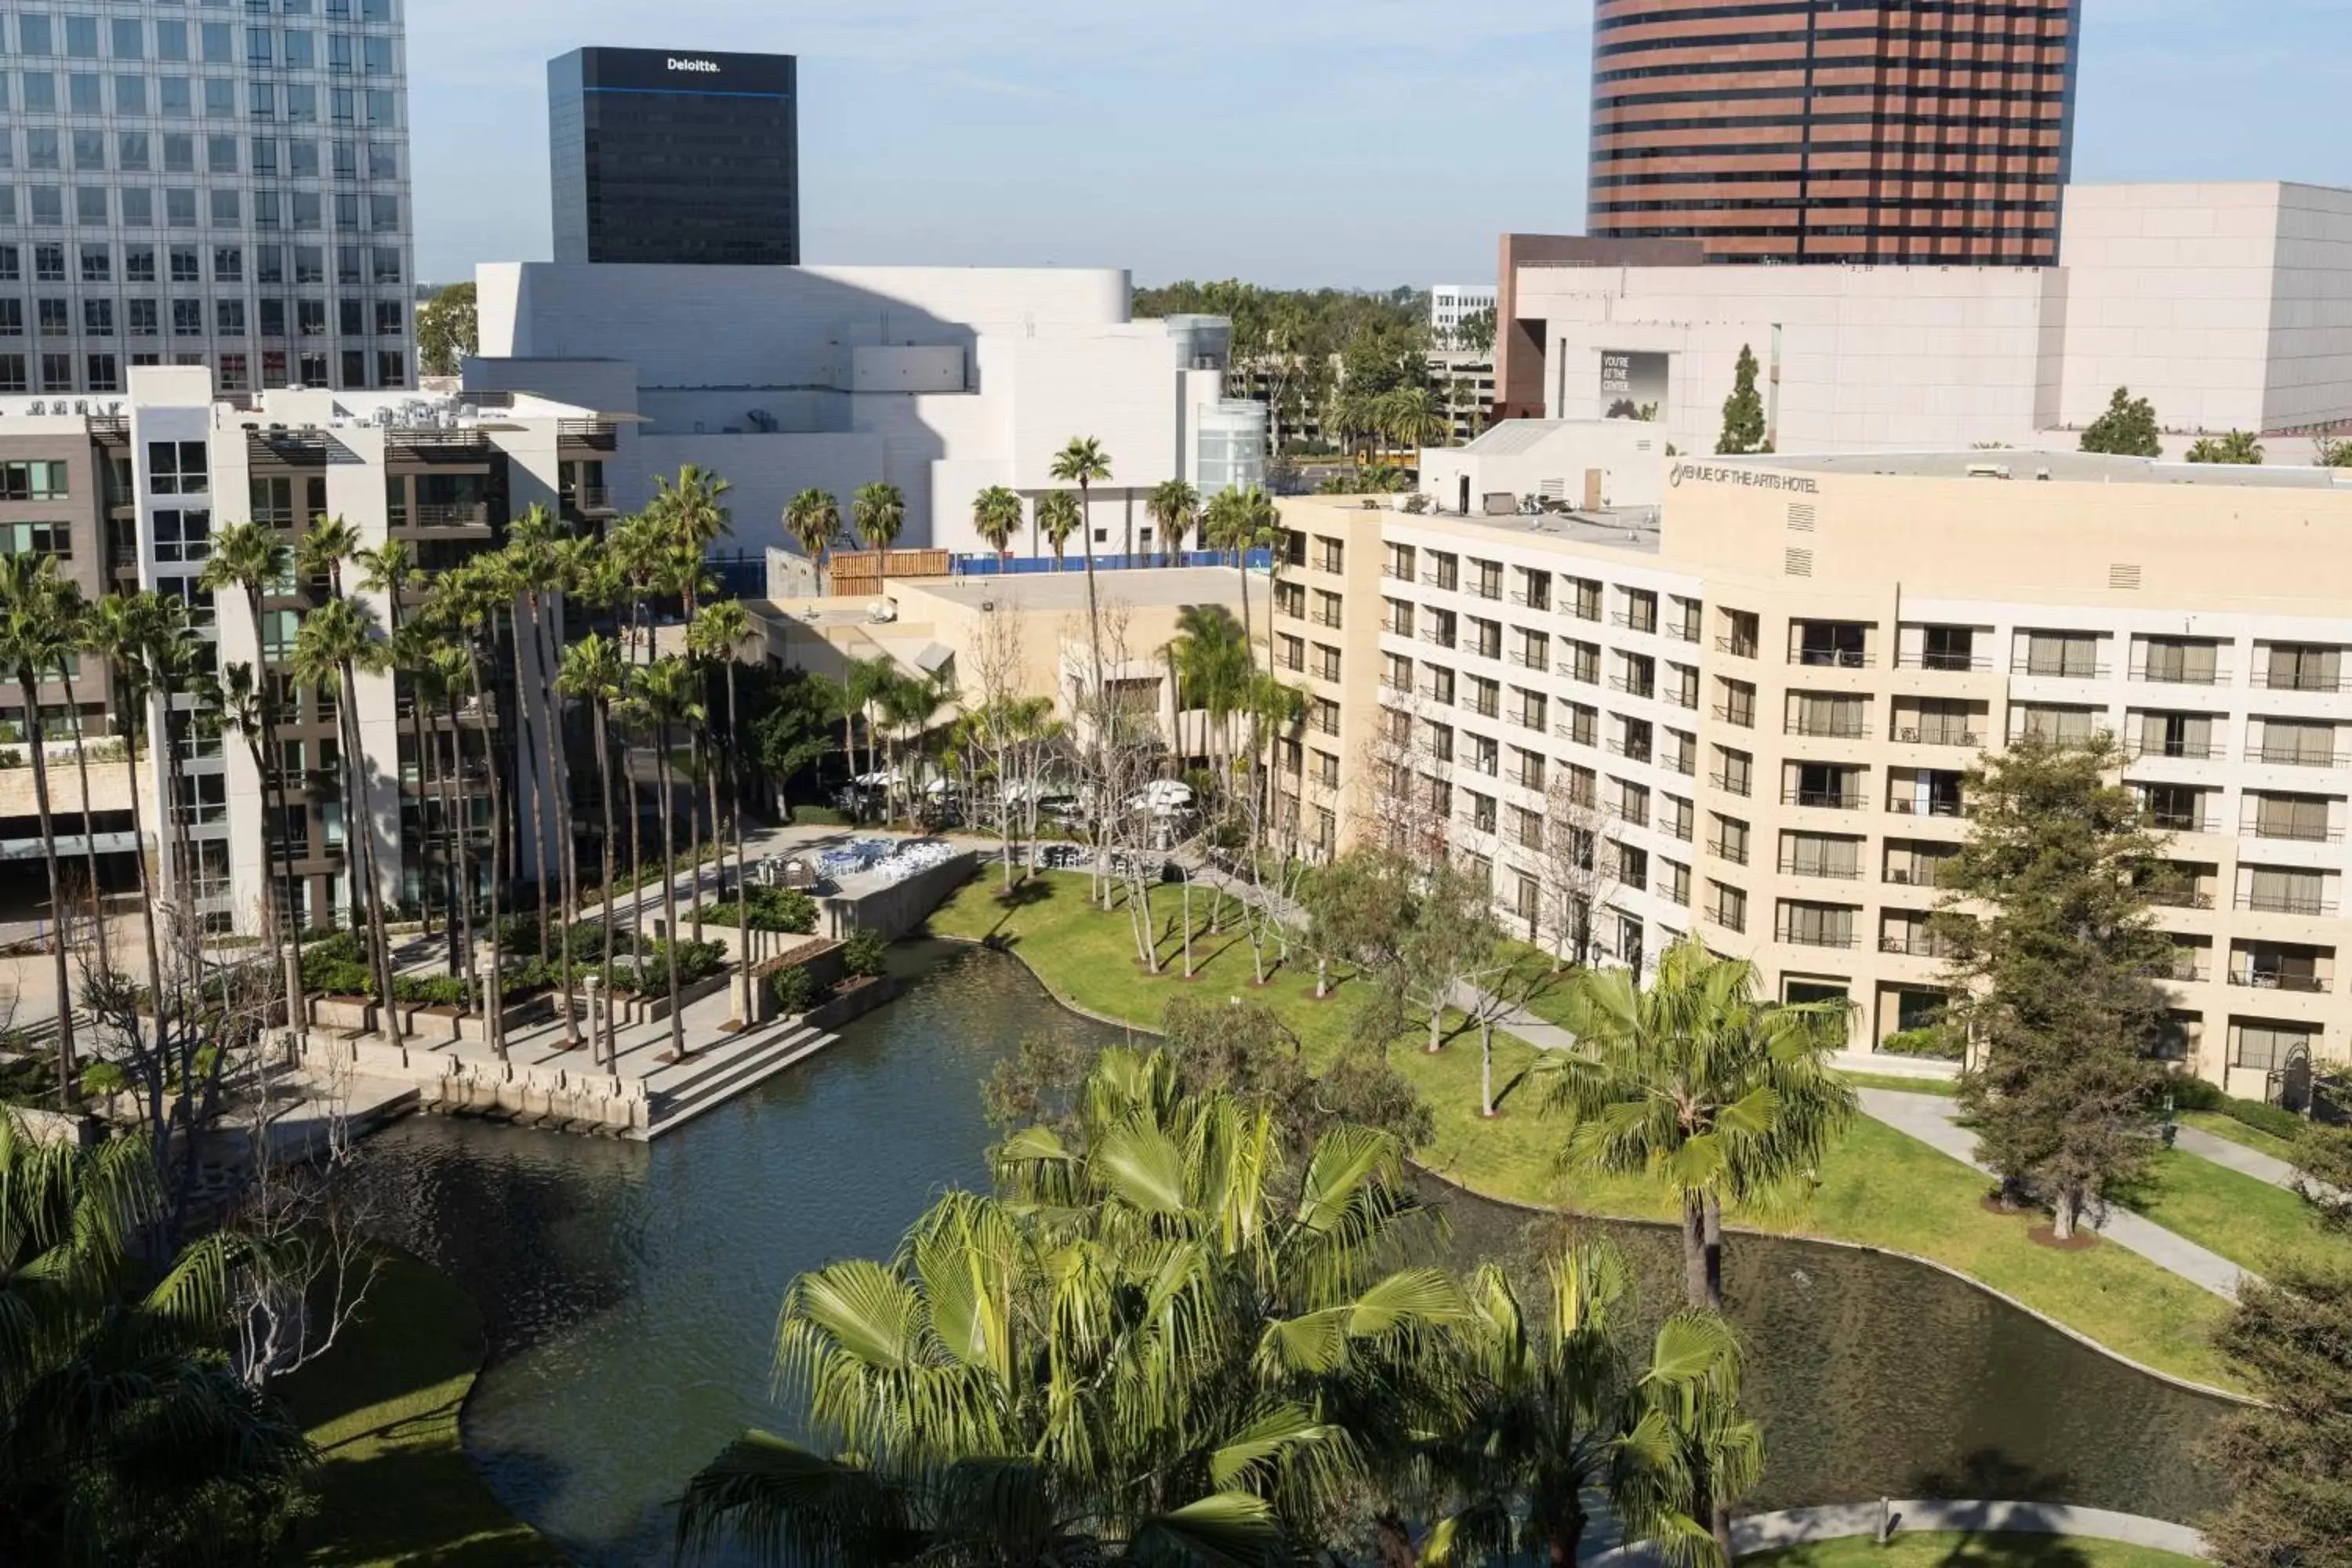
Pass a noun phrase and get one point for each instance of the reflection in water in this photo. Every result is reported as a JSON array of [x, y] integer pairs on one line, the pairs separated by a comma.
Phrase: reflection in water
[[631, 1293]]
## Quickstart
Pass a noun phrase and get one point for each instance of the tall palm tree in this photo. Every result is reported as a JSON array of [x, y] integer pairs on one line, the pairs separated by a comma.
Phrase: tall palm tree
[[39, 619], [996, 517], [1171, 504], [1083, 463], [537, 561], [640, 546], [120, 629], [813, 518], [1058, 517], [1135, 1350], [442, 680], [1211, 657], [719, 634], [337, 640], [879, 512], [694, 511], [592, 672], [668, 691], [1721, 1097], [251, 559], [457, 679], [1412, 418], [390, 569]]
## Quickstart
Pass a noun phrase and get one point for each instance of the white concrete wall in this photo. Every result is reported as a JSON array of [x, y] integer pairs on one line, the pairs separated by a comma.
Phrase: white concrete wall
[[1631, 455]]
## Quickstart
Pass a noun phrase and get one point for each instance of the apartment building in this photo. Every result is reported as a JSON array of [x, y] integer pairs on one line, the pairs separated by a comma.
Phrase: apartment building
[[193, 184], [1764, 698], [129, 493]]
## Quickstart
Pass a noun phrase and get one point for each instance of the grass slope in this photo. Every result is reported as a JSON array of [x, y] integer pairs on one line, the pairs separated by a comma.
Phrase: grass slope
[[1881, 1188], [395, 1488], [2252, 1223], [1971, 1551]]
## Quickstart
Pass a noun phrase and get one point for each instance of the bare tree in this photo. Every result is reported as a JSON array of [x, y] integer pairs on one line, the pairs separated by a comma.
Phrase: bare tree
[[1573, 877]]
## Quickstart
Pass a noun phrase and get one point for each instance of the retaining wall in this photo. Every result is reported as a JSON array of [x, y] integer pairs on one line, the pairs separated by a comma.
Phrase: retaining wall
[[578, 1093], [899, 907]]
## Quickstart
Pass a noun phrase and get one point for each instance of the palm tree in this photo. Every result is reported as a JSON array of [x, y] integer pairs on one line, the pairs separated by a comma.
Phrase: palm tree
[[1563, 1427], [444, 680], [1699, 1086], [1146, 1345], [814, 522], [1171, 505], [668, 691], [390, 569], [336, 641], [1412, 418], [120, 629], [1084, 464], [538, 559], [39, 616], [250, 558], [694, 513], [593, 671], [1058, 517], [125, 1435], [879, 512], [720, 634], [1211, 660], [457, 678], [996, 517]]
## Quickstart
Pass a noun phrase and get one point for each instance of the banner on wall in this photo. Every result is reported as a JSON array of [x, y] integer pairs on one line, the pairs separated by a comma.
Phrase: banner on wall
[[1633, 385]]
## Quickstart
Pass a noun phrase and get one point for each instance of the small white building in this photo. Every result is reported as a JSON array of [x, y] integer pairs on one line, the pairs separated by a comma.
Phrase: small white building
[[942, 381], [1450, 304], [1586, 465]]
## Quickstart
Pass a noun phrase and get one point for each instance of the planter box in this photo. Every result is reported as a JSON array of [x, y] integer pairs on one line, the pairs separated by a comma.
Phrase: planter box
[[854, 1000]]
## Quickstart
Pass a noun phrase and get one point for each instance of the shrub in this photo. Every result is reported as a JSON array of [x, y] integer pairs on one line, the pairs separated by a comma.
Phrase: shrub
[[1931, 1041], [335, 947], [771, 909], [431, 990], [861, 954], [2190, 1093], [793, 989], [2274, 1120], [337, 977]]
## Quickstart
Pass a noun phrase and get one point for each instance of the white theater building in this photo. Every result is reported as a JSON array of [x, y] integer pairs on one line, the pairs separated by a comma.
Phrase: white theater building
[[942, 381]]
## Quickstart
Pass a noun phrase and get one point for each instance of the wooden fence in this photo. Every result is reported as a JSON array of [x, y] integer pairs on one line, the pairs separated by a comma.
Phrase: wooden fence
[[858, 574]]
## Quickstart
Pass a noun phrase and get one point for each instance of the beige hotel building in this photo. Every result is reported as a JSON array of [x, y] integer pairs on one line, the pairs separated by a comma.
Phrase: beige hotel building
[[1765, 677]]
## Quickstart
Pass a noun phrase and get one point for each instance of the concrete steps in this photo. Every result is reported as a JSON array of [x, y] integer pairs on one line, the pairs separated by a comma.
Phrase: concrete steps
[[678, 1092]]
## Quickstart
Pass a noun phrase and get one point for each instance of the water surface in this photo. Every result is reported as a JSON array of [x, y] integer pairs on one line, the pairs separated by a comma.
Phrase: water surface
[[631, 1293]]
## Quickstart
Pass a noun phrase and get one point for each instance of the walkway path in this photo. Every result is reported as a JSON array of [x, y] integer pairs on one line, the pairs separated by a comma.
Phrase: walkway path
[[1934, 1121], [1918, 1516], [2236, 1156]]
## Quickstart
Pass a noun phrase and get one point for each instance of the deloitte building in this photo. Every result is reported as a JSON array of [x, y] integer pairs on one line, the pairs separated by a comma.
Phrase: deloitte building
[[679, 157]]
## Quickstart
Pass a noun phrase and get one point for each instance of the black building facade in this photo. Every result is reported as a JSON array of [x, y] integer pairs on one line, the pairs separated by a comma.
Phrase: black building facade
[[680, 157]]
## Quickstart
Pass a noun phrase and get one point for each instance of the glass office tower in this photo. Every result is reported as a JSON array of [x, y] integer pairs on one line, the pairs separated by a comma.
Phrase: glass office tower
[[663, 156], [197, 183]]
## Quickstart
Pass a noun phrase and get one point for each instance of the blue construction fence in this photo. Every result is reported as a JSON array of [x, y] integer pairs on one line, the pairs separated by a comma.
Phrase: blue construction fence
[[1023, 566]]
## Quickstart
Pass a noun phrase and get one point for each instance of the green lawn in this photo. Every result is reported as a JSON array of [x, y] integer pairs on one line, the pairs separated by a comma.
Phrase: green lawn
[[1945, 1086], [1880, 1188], [395, 1488], [1955, 1551], [2236, 1132], [2252, 1223]]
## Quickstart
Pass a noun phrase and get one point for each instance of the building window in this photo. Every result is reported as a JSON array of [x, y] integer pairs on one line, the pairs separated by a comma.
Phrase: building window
[[105, 373], [33, 480], [177, 468], [38, 539], [183, 535]]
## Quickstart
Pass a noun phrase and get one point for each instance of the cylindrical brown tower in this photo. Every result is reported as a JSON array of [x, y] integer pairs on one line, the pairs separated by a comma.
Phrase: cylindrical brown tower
[[1887, 130]]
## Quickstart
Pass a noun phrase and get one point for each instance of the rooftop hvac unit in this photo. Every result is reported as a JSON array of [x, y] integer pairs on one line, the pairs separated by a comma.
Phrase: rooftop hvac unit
[[1987, 470]]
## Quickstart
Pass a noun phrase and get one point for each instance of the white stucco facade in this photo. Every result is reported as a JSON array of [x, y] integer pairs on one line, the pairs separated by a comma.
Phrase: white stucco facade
[[942, 381], [2228, 306]]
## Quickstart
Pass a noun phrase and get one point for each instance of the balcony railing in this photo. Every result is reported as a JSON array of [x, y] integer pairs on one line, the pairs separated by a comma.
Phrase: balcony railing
[[1634, 623], [1730, 786], [1681, 763], [1790, 867], [1437, 639], [2179, 897], [1822, 799], [2187, 972], [1795, 936], [1322, 616], [1632, 685], [1915, 876], [2217, 677], [1831, 658], [1481, 648], [2277, 980], [1944, 661], [1631, 751], [1911, 806], [2058, 670], [1683, 631], [1738, 647], [1911, 736], [1729, 919], [1679, 697], [2292, 833], [438, 515], [588, 498], [1447, 582], [1483, 590], [2144, 750], [1530, 659], [1744, 718], [1834, 729], [2184, 822], [1582, 734], [1484, 707], [2312, 904], [2295, 756], [1535, 602], [1735, 853], [1921, 945], [2264, 680]]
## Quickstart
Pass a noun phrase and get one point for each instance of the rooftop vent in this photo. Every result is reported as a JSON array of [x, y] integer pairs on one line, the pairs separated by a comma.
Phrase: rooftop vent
[[1987, 470], [1797, 562], [2123, 575], [1801, 516]]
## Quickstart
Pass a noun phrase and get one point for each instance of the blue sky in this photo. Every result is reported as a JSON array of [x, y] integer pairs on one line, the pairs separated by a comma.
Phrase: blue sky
[[1354, 142]]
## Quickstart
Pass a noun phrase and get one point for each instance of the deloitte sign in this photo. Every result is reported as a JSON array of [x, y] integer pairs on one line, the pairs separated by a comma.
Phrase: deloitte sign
[[707, 67]]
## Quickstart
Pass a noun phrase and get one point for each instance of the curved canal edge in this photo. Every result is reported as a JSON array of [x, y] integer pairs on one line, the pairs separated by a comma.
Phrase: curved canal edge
[[1926, 1516], [2191, 1384]]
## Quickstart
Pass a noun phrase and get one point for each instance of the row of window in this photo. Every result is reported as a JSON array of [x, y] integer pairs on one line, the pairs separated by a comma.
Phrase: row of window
[[45, 207], [103, 373], [128, 38], [184, 263], [2277, 664], [174, 153], [143, 318], [181, 98]]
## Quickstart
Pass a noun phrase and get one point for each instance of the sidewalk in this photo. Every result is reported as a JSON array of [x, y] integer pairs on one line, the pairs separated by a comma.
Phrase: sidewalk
[[1934, 1121]]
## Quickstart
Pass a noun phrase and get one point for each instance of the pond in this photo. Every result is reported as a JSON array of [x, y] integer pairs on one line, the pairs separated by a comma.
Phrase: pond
[[631, 1293]]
